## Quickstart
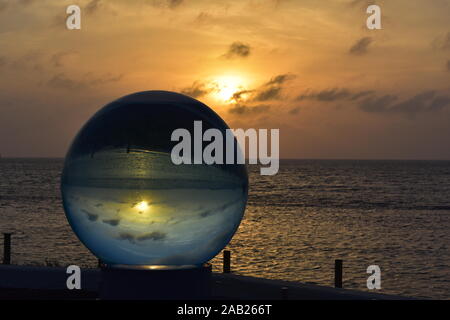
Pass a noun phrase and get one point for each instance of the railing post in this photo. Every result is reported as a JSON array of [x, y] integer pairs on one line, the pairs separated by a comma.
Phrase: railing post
[[338, 273], [7, 248], [226, 261]]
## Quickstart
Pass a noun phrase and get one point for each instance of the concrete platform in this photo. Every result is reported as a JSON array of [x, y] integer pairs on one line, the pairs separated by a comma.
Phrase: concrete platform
[[23, 282]]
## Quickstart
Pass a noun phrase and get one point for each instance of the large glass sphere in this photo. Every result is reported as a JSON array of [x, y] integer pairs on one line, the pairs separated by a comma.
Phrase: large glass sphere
[[130, 204]]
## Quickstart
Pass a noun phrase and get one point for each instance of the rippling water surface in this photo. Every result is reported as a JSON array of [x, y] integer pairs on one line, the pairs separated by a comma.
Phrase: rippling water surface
[[395, 214]]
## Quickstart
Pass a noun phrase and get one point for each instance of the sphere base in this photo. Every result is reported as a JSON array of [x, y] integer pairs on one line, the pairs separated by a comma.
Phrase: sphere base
[[126, 282]]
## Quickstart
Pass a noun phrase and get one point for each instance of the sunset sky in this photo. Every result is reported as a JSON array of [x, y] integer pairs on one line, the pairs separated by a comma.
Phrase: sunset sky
[[310, 68]]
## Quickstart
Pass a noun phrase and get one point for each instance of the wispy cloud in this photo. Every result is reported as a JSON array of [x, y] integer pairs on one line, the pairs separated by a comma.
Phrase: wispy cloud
[[361, 46], [203, 18], [281, 79], [426, 101], [237, 50], [58, 58], [377, 103], [112, 222], [93, 6], [3, 5], [271, 90], [334, 94], [294, 111], [197, 89], [174, 3], [171, 4], [241, 95], [91, 216], [245, 109], [155, 235], [62, 81], [442, 42], [271, 93], [360, 3]]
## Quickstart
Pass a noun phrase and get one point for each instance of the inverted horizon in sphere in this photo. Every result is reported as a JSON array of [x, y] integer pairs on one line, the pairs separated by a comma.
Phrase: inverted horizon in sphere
[[133, 206]]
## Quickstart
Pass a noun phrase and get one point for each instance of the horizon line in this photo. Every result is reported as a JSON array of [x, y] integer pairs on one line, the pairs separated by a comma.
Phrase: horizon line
[[280, 159]]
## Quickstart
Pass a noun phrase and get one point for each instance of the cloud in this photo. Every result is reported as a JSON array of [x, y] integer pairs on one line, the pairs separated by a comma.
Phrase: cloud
[[270, 93], [196, 90], [112, 222], [277, 3], [217, 210], [90, 216], [334, 94], [26, 2], [439, 103], [174, 3], [442, 42], [93, 6], [361, 46], [237, 50], [362, 3], [280, 79], [30, 60], [377, 104], [61, 81], [92, 80], [271, 90], [57, 59], [244, 109], [3, 5], [155, 235], [415, 104], [361, 94], [240, 95], [127, 236], [202, 18], [426, 101], [294, 111], [327, 95], [372, 102]]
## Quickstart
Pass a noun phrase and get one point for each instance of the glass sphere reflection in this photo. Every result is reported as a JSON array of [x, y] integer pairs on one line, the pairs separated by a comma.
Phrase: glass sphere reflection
[[129, 204]]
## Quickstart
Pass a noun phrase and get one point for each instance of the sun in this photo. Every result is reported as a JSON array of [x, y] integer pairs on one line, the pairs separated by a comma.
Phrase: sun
[[227, 86], [142, 206]]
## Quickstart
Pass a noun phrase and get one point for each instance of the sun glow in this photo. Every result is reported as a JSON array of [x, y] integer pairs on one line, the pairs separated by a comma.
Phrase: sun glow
[[142, 206], [227, 86]]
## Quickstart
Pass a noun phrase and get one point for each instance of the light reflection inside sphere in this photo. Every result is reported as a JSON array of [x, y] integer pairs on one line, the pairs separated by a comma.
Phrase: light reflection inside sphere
[[130, 205]]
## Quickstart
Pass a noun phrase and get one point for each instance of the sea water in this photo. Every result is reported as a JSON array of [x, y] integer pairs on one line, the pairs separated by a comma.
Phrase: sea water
[[394, 214], [139, 208]]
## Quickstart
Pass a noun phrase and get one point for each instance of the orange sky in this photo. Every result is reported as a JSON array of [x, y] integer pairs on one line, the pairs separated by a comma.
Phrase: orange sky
[[310, 68]]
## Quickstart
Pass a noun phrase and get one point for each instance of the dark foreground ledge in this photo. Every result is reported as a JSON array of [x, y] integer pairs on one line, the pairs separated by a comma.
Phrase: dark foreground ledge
[[22, 282]]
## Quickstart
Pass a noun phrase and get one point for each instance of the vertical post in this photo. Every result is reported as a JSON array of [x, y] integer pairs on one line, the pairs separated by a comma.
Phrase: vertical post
[[7, 248], [338, 273], [226, 261]]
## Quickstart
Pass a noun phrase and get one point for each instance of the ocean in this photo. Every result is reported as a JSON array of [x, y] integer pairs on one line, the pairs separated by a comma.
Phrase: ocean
[[394, 214]]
